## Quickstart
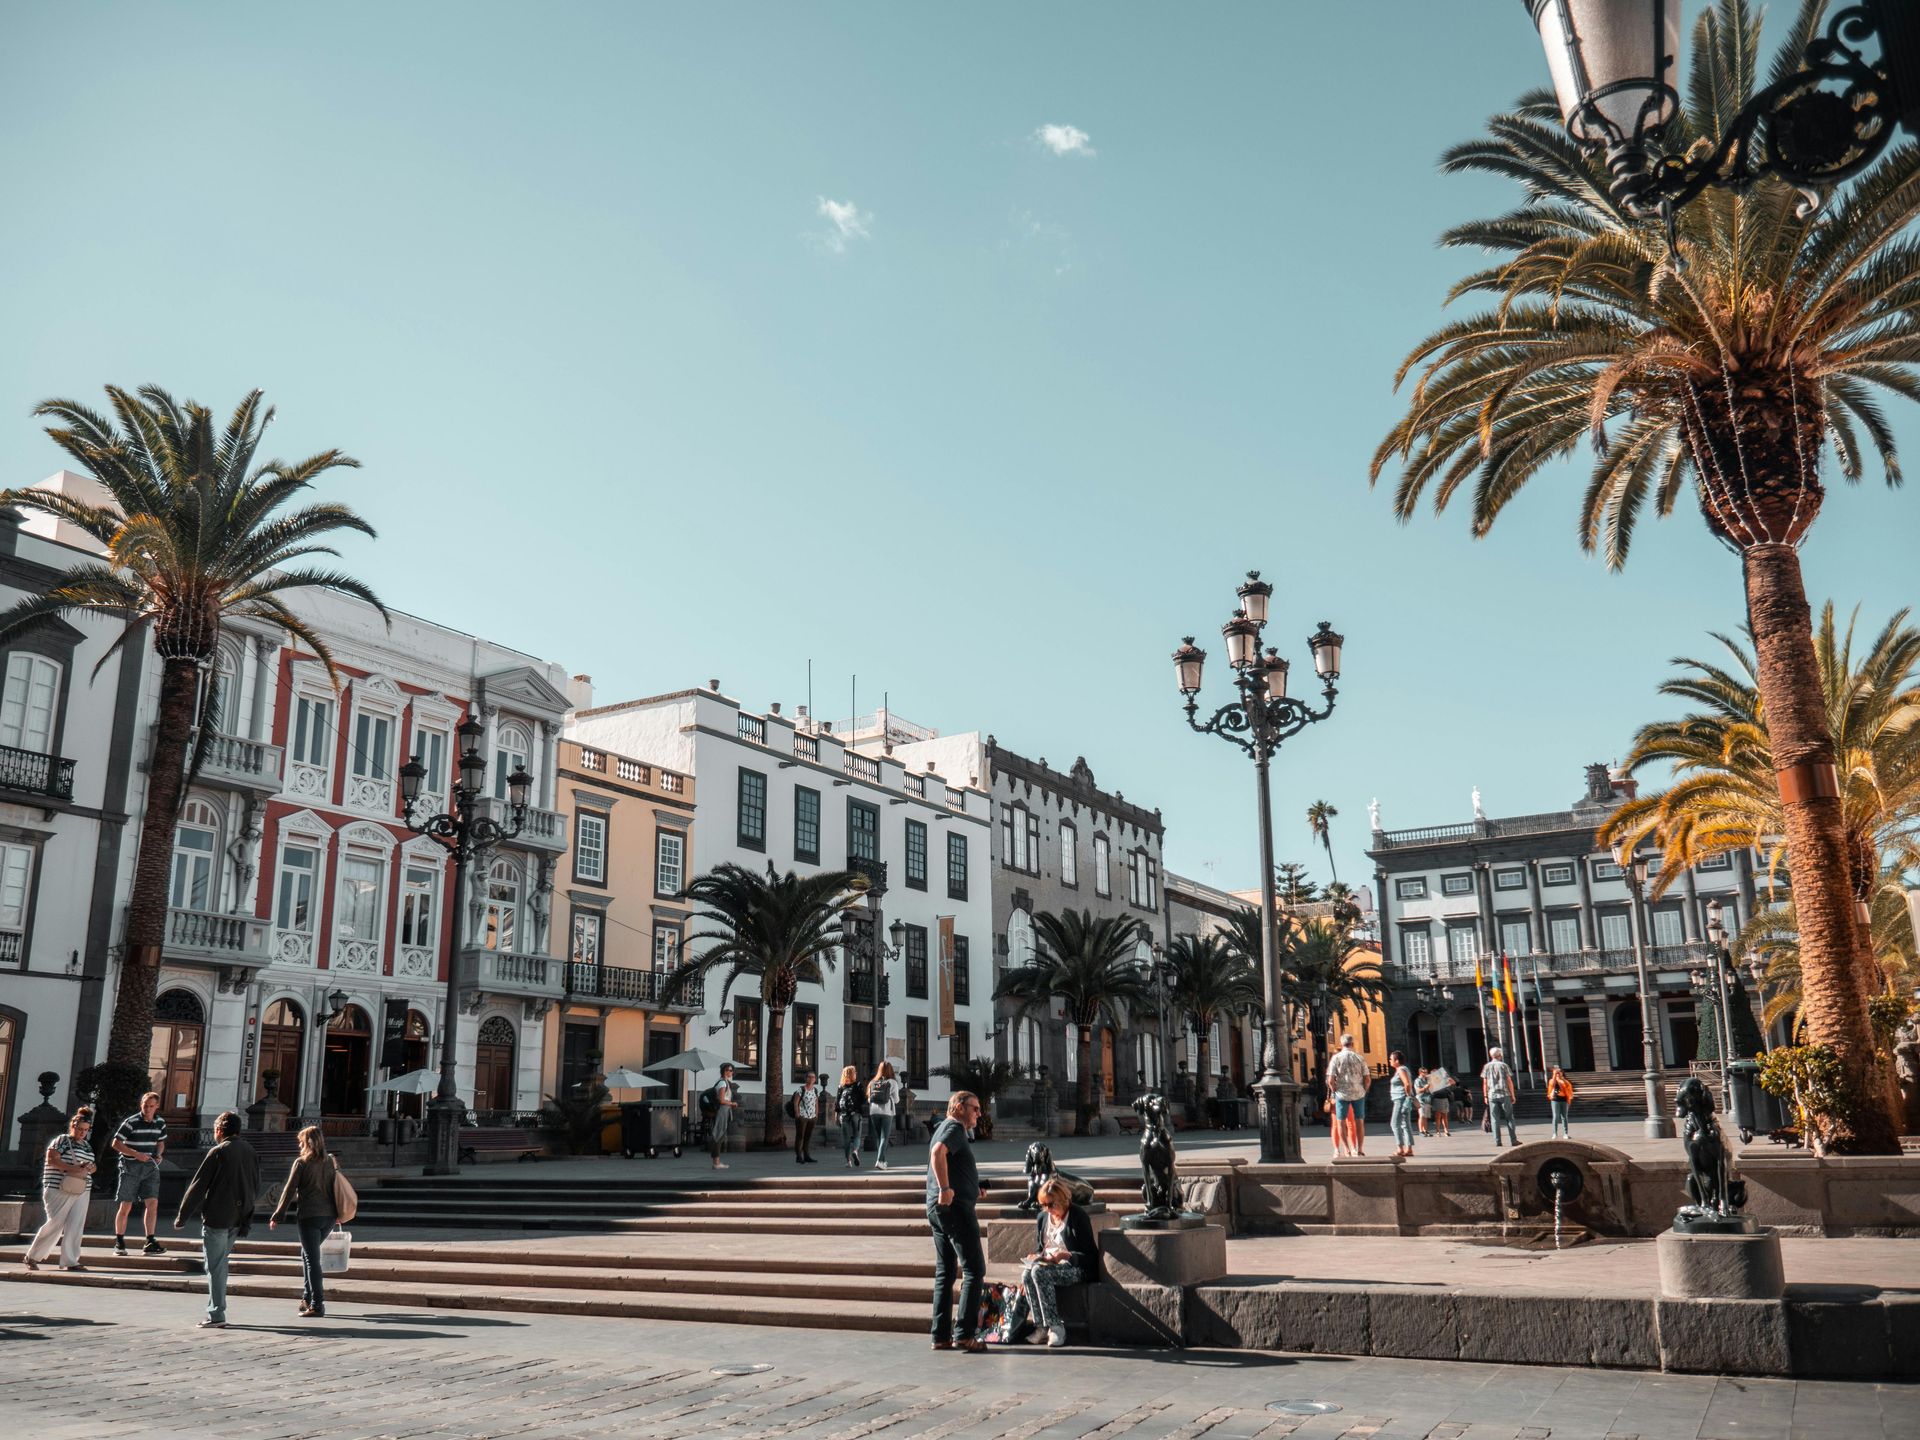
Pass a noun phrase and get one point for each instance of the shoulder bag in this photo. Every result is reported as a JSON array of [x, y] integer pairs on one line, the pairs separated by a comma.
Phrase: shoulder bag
[[346, 1202]]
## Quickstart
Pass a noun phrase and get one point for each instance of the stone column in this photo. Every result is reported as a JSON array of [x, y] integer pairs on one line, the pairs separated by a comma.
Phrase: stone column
[[1483, 899], [1588, 939], [549, 765], [1603, 1058], [1549, 1013], [1536, 909], [1690, 912], [264, 648], [313, 1063]]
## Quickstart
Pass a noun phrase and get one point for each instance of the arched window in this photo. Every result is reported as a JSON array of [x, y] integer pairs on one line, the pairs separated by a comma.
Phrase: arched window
[[196, 844], [493, 1066], [282, 1030], [10, 1023], [503, 905], [513, 750], [173, 1056]]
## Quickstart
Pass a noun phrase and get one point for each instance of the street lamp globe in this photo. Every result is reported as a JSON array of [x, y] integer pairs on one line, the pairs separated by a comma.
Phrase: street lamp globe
[[897, 932], [1274, 671], [1716, 923], [519, 787], [413, 775], [1254, 595], [1612, 63], [1243, 640], [1325, 644], [1187, 663]]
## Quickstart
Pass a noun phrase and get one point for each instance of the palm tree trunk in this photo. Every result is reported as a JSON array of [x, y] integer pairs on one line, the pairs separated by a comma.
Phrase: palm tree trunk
[[1326, 843], [131, 1037], [1818, 854], [1083, 1091], [774, 1132]]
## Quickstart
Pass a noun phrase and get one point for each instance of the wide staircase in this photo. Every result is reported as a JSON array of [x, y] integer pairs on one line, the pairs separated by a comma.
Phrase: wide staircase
[[1597, 1095]]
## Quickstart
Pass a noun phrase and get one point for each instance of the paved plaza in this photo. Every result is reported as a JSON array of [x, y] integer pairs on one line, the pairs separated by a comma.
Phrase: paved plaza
[[422, 1373]]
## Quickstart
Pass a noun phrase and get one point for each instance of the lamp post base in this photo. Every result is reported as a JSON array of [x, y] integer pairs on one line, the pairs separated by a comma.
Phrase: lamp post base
[[444, 1116], [1279, 1102], [1659, 1118]]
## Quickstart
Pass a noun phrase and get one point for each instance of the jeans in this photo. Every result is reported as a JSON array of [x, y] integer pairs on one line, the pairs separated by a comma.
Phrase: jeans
[[64, 1226], [850, 1135], [1403, 1122], [1500, 1112], [1043, 1284], [312, 1289], [1561, 1126], [882, 1127], [803, 1138], [216, 1245], [956, 1239]]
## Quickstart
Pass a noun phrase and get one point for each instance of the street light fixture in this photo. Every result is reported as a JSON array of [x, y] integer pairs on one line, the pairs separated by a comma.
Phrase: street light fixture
[[1615, 67], [1158, 965], [1258, 721], [1717, 939], [467, 832], [1633, 868]]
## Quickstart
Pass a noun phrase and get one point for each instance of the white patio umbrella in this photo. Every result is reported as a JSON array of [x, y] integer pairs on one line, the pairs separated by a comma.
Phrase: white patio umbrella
[[414, 1082], [626, 1079], [693, 1058]]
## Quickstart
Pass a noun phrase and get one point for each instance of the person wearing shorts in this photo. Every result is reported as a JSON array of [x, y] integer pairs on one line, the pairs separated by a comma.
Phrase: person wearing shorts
[[1347, 1079], [1442, 1103], [1423, 1099], [140, 1142]]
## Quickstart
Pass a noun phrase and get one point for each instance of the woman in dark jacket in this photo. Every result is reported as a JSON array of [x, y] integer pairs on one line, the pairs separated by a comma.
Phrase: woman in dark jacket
[[1064, 1253], [308, 1196]]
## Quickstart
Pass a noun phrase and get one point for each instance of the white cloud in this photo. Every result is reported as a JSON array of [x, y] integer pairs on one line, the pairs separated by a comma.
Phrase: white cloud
[[846, 223], [1065, 140]]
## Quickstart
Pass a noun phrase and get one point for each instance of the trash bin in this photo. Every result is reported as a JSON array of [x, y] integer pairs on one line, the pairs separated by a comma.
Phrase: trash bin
[[1760, 1113], [649, 1126]]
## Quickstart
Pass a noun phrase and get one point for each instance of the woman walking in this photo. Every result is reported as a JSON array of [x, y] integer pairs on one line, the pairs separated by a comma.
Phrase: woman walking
[[883, 1094], [66, 1185], [849, 1108], [1423, 1097], [309, 1197], [1400, 1093], [1064, 1254], [1560, 1099]]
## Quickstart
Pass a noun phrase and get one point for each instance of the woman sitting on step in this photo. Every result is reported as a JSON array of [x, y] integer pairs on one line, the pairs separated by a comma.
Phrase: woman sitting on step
[[1064, 1253]]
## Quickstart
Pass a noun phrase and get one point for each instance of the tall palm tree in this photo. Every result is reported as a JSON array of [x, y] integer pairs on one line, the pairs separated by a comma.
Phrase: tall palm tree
[[1717, 368], [1321, 974], [780, 930], [1092, 967], [195, 534], [1211, 980], [1773, 935], [1319, 816]]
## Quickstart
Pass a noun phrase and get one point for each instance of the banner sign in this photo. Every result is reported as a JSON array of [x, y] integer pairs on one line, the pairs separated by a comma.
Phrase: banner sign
[[946, 977], [393, 1034]]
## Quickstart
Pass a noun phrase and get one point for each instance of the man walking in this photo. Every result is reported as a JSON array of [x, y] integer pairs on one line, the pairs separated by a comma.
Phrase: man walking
[[140, 1142], [806, 1110], [1347, 1084], [1496, 1089], [953, 1196], [222, 1193], [725, 1099]]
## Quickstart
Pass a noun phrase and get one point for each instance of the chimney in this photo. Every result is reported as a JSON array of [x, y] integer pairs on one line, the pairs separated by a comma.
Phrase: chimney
[[580, 692], [774, 708], [714, 685]]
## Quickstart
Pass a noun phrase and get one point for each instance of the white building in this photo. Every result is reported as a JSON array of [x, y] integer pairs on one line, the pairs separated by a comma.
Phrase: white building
[[785, 790]]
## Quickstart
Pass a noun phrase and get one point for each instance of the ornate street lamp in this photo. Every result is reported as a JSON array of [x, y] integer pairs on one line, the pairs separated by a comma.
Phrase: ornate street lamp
[[1717, 938], [466, 832], [1258, 721], [1159, 967], [1615, 69], [1633, 868]]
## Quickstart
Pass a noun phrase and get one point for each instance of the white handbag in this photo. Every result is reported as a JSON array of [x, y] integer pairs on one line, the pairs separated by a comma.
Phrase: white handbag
[[334, 1251]]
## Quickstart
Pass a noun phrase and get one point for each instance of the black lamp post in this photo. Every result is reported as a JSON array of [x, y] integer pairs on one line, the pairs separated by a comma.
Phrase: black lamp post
[[1615, 69], [1633, 868], [1717, 938], [466, 832], [1158, 966], [1258, 722]]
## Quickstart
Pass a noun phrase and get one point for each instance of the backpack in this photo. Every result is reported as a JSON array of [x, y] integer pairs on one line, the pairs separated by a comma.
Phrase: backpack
[[346, 1201], [793, 1106], [709, 1102]]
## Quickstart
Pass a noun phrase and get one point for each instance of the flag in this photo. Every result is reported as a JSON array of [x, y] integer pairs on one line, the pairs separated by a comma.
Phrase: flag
[[1478, 983], [1514, 998]]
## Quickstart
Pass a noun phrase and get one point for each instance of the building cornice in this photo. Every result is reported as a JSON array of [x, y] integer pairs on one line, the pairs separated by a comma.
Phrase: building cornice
[[1077, 785]]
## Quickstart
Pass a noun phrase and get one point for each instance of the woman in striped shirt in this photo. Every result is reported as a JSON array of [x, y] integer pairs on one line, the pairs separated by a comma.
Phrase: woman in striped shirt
[[66, 1181]]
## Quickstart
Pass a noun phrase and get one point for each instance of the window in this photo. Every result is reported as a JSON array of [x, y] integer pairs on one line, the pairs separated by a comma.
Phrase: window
[[806, 825], [962, 971], [299, 869], [16, 875], [1557, 874], [1020, 838], [1136, 876], [589, 931], [1515, 937], [960, 1046], [666, 946], [746, 1036], [916, 962], [195, 843], [1668, 928], [590, 848], [311, 722], [1410, 889], [1463, 946], [430, 749], [751, 822], [1454, 885], [512, 752], [1069, 855], [1563, 935], [1722, 861], [806, 1039], [863, 831], [1616, 930], [1417, 946], [29, 703], [916, 1077], [416, 907], [1605, 870], [669, 862], [503, 906], [1102, 874], [956, 866], [358, 915], [372, 734], [916, 855], [1509, 879], [1153, 883]]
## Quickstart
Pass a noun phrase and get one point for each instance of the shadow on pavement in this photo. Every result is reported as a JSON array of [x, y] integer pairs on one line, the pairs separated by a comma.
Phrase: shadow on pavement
[[463, 1319], [321, 1330]]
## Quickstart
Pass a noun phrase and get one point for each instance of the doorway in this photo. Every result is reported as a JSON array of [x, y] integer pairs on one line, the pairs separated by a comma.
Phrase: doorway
[[282, 1033], [1626, 1034], [1579, 1032], [664, 1045], [413, 1050], [1476, 1042], [579, 1054], [344, 1071], [1423, 1038], [493, 1057], [1683, 1031], [173, 1056]]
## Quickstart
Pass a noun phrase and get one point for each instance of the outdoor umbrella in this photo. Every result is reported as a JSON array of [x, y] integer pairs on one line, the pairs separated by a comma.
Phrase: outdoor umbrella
[[694, 1059], [414, 1082], [625, 1079]]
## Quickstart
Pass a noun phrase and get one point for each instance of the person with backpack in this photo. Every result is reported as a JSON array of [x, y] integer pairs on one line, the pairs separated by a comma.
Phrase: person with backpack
[[850, 1109], [309, 1196], [717, 1104], [883, 1094], [804, 1106]]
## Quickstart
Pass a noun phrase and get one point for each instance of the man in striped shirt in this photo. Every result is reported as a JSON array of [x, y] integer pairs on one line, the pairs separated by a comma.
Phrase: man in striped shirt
[[140, 1142]]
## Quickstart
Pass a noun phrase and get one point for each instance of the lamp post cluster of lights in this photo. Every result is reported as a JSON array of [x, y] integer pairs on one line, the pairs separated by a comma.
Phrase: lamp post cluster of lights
[[466, 831], [1259, 720], [1633, 869]]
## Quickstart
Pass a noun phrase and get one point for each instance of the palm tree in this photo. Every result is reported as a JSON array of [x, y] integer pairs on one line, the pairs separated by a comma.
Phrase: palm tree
[[1724, 797], [1319, 814], [1211, 979], [780, 930], [1773, 935], [1321, 976], [1092, 967], [195, 534], [1721, 364]]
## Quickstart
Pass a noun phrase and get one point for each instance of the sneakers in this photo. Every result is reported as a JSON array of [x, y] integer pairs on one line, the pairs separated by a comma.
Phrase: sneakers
[[1056, 1337], [212, 1325], [879, 1164], [721, 1165], [153, 1247], [854, 1160], [119, 1244]]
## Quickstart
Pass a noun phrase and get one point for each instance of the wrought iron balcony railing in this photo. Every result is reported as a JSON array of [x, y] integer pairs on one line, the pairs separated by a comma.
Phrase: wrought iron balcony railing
[[862, 989], [29, 772]]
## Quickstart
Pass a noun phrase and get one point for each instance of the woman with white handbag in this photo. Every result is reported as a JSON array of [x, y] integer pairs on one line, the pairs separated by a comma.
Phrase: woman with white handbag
[[310, 1197], [66, 1181]]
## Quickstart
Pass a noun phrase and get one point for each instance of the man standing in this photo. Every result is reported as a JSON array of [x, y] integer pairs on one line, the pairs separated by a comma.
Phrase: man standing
[[953, 1195], [1347, 1084], [140, 1142], [806, 1110], [222, 1193], [725, 1098], [1496, 1088]]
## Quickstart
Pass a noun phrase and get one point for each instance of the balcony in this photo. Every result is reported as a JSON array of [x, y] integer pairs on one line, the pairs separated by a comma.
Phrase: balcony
[[28, 772], [861, 988], [236, 763], [207, 937], [1570, 962], [12, 947], [501, 972], [617, 985], [542, 829], [873, 872]]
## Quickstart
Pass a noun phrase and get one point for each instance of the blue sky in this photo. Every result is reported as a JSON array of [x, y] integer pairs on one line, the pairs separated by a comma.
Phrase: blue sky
[[689, 341]]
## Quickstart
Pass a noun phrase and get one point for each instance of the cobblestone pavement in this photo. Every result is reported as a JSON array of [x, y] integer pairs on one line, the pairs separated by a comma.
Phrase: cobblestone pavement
[[80, 1364]]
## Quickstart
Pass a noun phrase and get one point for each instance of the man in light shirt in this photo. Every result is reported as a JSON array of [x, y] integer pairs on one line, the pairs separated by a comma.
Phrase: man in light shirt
[[1347, 1086], [1496, 1088]]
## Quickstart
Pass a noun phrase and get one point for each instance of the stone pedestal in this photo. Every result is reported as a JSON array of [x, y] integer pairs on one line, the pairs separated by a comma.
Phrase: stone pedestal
[[1721, 1267], [1191, 1255], [38, 1126], [267, 1113], [1279, 1103], [1010, 1233]]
